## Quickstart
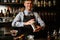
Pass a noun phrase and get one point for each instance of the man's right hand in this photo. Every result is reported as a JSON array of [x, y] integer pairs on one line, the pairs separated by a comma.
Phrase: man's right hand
[[29, 22]]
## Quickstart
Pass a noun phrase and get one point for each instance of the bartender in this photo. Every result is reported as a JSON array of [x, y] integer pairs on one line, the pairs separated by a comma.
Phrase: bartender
[[28, 21]]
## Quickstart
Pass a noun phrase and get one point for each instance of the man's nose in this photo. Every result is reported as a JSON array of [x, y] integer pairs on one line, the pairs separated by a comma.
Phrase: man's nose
[[30, 4]]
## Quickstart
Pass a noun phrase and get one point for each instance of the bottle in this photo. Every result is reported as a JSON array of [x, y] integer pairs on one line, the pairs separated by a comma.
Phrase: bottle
[[5, 1], [14, 13], [30, 37], [9, 1], [16, 1], [20, 1], [38, 4], [5, 13], [1, 14], [35, 2], [54, 2], [48, 36], [33, 27], [8, 13], [42, 2], [13, 1], [2, 1], [49, 3], [55, 34], [59, 34]]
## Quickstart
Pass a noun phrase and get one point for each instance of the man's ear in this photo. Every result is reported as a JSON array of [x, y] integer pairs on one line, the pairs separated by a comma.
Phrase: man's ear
[[24, 4]]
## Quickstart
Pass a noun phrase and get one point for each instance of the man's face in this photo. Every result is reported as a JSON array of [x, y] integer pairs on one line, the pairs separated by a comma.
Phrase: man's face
[[28, 5]]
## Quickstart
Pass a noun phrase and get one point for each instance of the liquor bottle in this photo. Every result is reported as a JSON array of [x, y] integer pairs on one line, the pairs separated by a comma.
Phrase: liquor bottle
[[54, 2], [55, 34], [5, 1], [1, 14], [14, 13], [49, 3], [9, 1], [2, 1], [13, 1], [42, 3], [59, 34], [16, 1], [35, 2], [8, 13], [11, 12], [21, 1], [48, 36], [30, 37], [38, 4], [5, 13]]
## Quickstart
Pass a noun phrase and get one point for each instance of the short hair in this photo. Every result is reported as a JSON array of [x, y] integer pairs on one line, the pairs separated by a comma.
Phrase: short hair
[[29, 0]]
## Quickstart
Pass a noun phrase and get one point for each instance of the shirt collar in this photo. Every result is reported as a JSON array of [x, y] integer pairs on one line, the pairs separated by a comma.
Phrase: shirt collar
[[26, 12]]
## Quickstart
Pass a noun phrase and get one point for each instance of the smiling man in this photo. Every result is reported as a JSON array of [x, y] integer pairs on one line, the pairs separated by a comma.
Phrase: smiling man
[[28, 20]]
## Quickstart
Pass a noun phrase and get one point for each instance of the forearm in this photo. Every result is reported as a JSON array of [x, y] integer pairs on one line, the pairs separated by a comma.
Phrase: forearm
[[18, 21], [17, 24], [39, 20]]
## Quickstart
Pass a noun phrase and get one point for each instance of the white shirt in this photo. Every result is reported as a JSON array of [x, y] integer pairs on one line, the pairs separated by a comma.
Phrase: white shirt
[[18, 21]]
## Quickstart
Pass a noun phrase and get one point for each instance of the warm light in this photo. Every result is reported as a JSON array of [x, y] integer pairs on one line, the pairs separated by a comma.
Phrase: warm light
[[2, 7]]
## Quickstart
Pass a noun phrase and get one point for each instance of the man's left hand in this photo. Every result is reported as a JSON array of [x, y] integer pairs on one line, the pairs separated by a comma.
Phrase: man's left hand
[[38, 28]]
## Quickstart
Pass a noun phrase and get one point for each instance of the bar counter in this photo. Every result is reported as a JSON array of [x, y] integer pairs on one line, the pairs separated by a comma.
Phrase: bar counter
[[5, 25]]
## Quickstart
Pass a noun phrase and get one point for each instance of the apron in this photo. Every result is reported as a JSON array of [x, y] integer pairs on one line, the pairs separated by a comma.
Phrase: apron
[[27, 29]]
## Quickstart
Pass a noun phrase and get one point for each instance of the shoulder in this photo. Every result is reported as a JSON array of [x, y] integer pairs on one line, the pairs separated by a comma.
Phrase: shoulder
[[20, 13], [35, 13]]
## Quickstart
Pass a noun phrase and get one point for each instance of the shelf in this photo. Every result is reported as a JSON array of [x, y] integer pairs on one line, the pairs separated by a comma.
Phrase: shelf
[[13, 4], [6, 19], [10, 3]]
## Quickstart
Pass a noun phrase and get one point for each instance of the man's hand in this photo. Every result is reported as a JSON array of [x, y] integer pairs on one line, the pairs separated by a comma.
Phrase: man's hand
[[38, 28], [29, 22]]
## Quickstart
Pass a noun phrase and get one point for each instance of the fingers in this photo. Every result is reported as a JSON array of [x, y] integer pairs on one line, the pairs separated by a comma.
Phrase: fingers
[[37, 29], [31, 21]]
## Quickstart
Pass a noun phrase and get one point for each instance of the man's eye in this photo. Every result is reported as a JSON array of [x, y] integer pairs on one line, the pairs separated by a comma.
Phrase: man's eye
[[28, 3]]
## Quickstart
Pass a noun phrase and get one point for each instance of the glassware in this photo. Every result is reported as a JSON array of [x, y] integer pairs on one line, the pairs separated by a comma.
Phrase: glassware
[[30, 37], [14, 32]]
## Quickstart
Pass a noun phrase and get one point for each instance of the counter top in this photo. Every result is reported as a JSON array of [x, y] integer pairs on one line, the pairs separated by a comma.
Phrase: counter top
[[6, 19]]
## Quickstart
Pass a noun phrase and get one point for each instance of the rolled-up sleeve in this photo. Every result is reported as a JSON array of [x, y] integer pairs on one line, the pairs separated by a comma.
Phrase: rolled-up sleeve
[[17, 21], [40, 21]]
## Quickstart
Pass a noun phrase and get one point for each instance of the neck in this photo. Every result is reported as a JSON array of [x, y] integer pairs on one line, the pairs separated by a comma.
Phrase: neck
[[28, 10]]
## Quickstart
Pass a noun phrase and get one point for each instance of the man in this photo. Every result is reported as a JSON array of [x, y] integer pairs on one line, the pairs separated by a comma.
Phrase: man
[[23, 19]]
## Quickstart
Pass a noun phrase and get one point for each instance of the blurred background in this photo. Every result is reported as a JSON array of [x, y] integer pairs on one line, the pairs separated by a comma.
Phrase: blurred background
[[49, 11]]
